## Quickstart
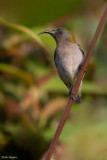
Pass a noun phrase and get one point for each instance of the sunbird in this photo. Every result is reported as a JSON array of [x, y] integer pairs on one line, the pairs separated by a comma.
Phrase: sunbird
[[68, 58]]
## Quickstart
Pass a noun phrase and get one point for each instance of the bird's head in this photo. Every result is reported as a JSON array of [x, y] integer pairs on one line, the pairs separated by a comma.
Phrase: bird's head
[[61, 34]]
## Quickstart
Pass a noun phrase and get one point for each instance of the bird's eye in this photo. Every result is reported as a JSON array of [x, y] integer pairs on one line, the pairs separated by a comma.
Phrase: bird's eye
[[60, 32]]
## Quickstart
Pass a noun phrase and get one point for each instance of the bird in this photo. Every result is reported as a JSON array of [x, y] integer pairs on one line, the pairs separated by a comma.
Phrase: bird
[[68, 58]]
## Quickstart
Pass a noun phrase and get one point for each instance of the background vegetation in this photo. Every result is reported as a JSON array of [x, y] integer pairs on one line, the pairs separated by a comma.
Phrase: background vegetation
[[32, 97]]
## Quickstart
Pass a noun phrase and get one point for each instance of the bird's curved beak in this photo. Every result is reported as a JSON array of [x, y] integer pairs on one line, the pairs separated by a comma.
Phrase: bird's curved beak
[[49, 32]]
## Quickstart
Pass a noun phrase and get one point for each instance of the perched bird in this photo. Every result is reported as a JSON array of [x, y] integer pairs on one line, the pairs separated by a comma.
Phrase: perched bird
[[68, 58]]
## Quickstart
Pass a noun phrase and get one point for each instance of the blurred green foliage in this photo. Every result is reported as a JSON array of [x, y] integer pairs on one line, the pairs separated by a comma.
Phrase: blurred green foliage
[[31, 13], [32, 97]]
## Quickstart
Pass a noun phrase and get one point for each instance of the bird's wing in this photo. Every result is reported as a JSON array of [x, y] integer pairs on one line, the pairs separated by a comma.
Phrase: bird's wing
[[81, 50]]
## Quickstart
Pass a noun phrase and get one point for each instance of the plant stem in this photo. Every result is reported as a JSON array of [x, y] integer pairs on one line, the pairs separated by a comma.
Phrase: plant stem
[[75, 88]]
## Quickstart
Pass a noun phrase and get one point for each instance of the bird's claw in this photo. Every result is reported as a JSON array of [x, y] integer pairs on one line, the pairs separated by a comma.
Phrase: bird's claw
[[71, 96], [84, 69], [75, 99]]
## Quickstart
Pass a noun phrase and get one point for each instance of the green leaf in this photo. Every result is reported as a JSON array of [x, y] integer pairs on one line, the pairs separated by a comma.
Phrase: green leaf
[[56, 85], [16, 72], [27, 31], [92, 87]]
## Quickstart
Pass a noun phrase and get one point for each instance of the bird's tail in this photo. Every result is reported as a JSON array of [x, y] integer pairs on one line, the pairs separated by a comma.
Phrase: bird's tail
[[78, 98]]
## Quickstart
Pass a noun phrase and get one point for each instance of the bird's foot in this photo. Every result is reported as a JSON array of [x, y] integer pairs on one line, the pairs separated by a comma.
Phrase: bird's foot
[[76, 99], [81, 66], [71, 95]]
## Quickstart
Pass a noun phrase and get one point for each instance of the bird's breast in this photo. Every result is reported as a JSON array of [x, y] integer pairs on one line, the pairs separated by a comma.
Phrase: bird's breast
[[67, 59]]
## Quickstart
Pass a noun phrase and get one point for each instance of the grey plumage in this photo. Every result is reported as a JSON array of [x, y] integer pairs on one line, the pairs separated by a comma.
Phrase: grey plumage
[[68, 59]]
